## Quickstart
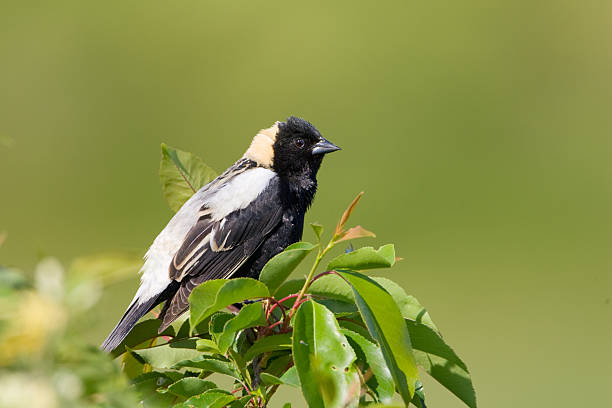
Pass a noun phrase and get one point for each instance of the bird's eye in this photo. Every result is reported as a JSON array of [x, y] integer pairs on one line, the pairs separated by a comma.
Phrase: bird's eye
[[300, 143]]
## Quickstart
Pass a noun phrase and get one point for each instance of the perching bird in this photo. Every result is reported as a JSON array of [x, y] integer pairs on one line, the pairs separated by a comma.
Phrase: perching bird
[[232, 226]]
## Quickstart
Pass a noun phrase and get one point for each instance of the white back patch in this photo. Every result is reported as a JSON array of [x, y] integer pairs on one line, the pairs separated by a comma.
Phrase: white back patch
[[239, 192]]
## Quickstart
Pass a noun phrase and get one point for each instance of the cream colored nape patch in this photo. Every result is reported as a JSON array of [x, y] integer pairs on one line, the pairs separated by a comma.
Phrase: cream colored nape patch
[[261, 150]]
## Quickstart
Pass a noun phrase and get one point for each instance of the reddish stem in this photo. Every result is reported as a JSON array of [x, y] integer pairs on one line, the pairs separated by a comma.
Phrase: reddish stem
[[322, 274]]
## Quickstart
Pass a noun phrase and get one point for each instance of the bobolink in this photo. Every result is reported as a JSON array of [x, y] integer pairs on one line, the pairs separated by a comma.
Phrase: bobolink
[[232, 226]]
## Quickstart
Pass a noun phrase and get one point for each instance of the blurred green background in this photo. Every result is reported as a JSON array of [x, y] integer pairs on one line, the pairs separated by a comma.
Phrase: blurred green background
[[481, 132]]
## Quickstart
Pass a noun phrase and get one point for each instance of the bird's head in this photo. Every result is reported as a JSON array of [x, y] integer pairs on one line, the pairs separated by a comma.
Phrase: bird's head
[[290, 148]]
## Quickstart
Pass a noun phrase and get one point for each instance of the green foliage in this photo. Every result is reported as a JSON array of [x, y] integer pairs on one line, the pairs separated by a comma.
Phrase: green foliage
[[345, 339], [44, 316], [278, 269], [323, 358], [217, 294], [182, 174]]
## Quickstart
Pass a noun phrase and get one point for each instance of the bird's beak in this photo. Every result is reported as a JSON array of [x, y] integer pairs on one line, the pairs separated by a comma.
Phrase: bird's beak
[[324, 146]]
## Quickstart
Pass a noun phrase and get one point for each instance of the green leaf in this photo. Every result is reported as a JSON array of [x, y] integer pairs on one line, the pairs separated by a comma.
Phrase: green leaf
[[210, 363], [143, 331], [214, 398], [419, 396], [365, 258], [217, 323], [323, 358], [249, 316], [269, 343], [278, 269], [167, 355], [384, 321], [290, 287], [408, 305], [147, 385], [332, 286], [181, 175], [207, 346], [441, 362], [189, 386], [242, 402], [269, 379], [214, 295], [318, 230], [382, 380], [291, 377]]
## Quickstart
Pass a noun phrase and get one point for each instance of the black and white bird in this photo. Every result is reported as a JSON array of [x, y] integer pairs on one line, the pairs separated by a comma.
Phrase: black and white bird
[[232, 226]]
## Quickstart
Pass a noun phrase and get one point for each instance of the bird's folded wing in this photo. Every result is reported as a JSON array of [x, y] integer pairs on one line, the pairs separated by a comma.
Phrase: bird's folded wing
[[216, 249]]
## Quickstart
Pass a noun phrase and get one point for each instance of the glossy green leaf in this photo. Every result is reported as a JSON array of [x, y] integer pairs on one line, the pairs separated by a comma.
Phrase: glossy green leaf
[[167, 355], [143, 331], [209, 363], [181, 175], [189, 386], [249, 316], [332, 286], [408, 305], [385, 323], [207, 346], [267, 344], [278, 269], [214, 398], [323, 358], [217, 323], [365, 258], [214, 295], [382, 380], [441, 362]]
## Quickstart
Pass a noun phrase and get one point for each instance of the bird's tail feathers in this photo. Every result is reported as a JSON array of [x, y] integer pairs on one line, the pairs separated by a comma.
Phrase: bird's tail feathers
[[131, 316]]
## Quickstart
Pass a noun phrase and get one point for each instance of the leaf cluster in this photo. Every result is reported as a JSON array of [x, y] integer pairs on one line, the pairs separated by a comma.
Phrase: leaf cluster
[[340, 336]]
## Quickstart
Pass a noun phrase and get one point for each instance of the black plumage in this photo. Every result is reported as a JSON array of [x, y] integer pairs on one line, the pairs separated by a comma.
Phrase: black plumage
[[266, 196]]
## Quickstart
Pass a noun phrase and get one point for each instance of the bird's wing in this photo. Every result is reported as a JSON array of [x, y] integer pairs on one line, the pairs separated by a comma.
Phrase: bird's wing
[[215, 249]]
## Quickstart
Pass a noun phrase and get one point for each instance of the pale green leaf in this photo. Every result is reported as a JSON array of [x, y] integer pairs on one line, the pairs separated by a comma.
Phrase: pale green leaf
[[278, 269], [181, 175], [385, 323], [167, 355], [215, 398], [214, 295], [249, 316], [267, 344], [189, 386], [209, 363], [365, 258], [441, 362], [323, 358], [382, 380]]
